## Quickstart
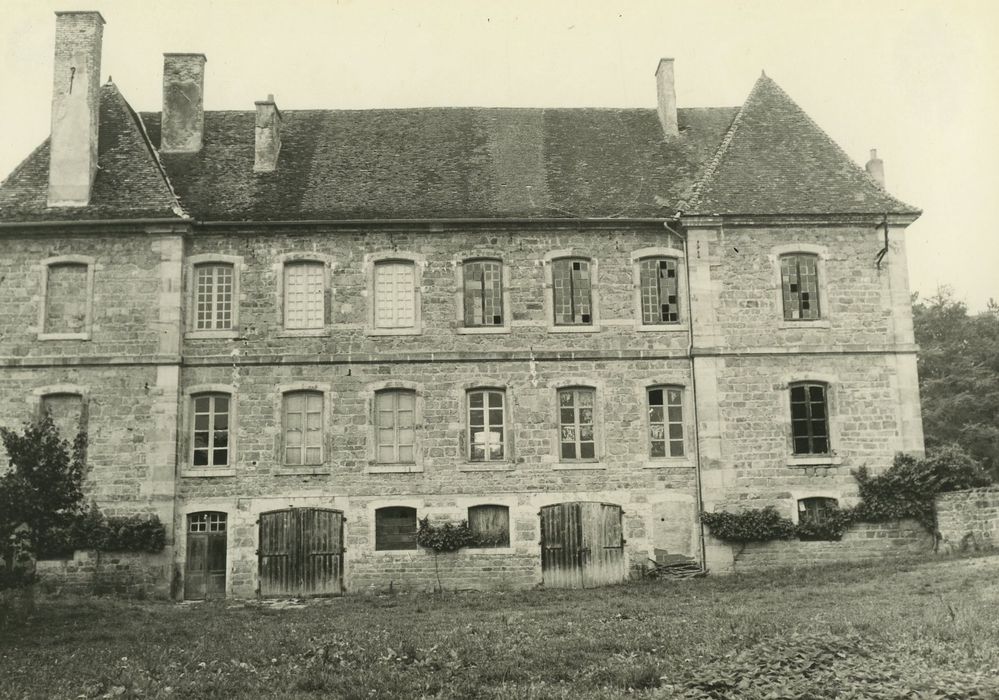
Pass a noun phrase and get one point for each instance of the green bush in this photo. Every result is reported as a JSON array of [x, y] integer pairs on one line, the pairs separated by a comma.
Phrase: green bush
[[448, 537], [90, 529]]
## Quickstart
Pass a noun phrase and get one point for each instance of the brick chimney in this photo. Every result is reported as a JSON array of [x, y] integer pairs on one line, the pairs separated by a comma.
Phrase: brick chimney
[[76, 101], [876, 167], [183, 120], [268, 136], [666, 90]]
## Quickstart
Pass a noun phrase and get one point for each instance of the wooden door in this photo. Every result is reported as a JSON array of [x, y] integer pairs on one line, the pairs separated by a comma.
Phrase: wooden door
[[205, 566], [582, 545], [301, 553]]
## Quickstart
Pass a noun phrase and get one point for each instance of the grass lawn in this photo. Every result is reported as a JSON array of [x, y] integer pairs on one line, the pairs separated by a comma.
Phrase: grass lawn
[[867, 631]]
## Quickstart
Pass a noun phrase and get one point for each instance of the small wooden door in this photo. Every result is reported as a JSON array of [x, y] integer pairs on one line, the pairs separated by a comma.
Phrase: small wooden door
[[582, 545], [204, 571], [301, 553]]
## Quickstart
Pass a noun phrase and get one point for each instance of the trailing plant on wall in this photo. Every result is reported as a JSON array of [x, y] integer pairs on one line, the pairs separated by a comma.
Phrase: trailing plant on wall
[[449, 537]]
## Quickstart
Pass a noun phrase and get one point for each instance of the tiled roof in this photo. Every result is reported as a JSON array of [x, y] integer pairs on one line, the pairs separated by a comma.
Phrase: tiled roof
[[129, 182], [447, 163], [776, 160]]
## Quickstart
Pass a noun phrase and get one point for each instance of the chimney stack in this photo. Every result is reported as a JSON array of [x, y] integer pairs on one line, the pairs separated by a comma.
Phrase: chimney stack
[[76, 100], [183, 120], [666, 89], [268, 136], [876, 167]]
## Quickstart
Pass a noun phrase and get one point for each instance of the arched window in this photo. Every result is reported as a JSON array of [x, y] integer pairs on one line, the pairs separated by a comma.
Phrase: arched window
[[809, 418], [577, 435], [665, 406], [210, 436], [214, 296], [660, 291], [482, 292], [486, 425], [395, 426], [395, 528], [395, 294], [799, 274], [304, 294], [303, 427], [572, 301], [490, 524]]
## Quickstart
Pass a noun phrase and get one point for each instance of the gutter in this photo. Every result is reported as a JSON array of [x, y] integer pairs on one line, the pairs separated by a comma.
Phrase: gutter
[[74, 223]]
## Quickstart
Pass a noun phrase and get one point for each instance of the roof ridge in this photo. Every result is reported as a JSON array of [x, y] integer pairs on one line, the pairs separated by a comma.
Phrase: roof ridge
[[140, 127], [716, 159], [835, 145]]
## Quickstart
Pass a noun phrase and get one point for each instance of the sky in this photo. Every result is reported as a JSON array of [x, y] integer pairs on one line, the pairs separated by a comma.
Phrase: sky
[[916, 79]]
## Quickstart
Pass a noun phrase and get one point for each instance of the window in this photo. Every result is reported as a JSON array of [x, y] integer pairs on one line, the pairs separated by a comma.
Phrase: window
[[665, 421], [571, 292], [206, 522], [490, 524], [304, 295], [67, 413], [800, 286], [395, 528], [210, 430], [809, 419], [395, 294], [816, 511], [303, 427], [659, 290], [486, 419], [576, 435], [483, 292], [214, 285], [66, 299], [395, 426]]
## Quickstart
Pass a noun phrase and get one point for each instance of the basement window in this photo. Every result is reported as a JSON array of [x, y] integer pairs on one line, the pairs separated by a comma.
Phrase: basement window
[[395, 528], [816, 511], [491, 525]]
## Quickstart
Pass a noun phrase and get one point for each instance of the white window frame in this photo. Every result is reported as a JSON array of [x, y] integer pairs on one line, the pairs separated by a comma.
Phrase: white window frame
[[684, 423], [459, 298], [637, 257], [822, 256], [328, 295], [374, 466], [419, 263], [599, 447], [236, 261], [487, 463], [549, 301], [88, 320], [286, 390], [187, 460]]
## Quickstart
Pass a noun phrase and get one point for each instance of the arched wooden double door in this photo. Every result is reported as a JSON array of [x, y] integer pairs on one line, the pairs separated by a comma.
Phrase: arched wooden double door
[[301, 553], [582, 545]]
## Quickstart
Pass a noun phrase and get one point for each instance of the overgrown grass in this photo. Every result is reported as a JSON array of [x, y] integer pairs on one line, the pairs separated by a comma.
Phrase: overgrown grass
[[866, 631]]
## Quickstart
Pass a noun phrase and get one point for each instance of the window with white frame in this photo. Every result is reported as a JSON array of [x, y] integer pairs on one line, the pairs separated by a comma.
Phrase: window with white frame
[[210, 436], [303, 427], [665, 405], [482, 292], [660, 293], [67, 298], [577, 437], [809, 418], [395, 426], [572, 300], [214, 293], [799, 274], [395, 294], [486, 425], [304, 294], [490, 524]]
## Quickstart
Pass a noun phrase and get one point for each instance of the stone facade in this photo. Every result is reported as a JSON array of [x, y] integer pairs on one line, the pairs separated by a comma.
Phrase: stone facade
[[968, 520]]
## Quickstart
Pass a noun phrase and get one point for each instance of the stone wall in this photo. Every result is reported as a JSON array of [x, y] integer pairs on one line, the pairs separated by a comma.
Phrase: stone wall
[[862, 542], [98, 573], [968, 520]]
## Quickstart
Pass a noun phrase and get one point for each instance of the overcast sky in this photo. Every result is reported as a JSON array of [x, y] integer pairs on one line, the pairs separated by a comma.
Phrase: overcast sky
[[918, 80]]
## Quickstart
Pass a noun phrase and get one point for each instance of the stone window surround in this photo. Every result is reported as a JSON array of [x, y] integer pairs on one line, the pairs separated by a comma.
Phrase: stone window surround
[[368, 267], [38, 394], [822, 254], [509, 525], [461, 400], [415, 502], [192, 262], [599, 389], [797, 495], [833, 399], [187, 469], [681, 288], [688, 425], [323, 467], [328, 295], [459, 296], [549, 295], [371, 451], [88, 322]]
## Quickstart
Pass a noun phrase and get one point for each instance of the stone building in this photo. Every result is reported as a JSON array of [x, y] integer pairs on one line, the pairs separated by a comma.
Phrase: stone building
[[293, 333]]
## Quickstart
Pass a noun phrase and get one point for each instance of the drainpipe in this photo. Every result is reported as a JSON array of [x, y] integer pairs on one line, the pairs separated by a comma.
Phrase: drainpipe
[[693, 390]]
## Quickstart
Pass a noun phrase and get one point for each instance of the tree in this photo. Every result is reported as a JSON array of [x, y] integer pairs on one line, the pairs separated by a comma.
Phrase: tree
[[44, 487], [959, 376]]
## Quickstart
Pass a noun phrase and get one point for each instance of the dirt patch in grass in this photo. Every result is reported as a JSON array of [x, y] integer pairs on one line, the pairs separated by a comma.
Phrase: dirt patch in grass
[[868, 631]]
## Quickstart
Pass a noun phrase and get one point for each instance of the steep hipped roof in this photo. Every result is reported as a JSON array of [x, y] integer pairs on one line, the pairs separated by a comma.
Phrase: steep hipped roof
[[776, 160], [446, 163], [129, 182]]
